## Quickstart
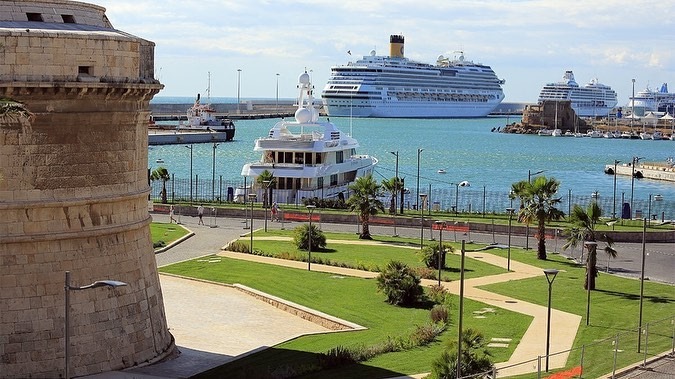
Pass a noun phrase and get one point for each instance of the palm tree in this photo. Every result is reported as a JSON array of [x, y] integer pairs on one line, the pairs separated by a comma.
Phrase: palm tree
[[475, 357], [161, 173], [12, 111], [539, 204], [364, 200], [582, 230], [394, 187], [266, 176]]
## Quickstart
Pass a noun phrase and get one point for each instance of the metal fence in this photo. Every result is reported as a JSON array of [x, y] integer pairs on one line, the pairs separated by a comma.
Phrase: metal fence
[[608, 356], [442, 199]]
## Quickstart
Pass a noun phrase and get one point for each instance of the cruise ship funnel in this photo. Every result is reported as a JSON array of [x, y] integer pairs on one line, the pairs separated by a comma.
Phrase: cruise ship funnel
[[396, 46]]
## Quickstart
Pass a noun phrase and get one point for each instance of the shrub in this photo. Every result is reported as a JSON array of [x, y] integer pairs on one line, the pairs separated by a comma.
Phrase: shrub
[[239, 247], [426, 273], [429, 255], [439, 294], [475, 358], [301, 238], [158, 244], [400, 284], [336, 356], [426, 334], [439, 313]]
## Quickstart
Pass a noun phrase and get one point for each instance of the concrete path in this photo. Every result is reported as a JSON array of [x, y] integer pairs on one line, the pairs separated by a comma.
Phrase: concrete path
[[532, 343]]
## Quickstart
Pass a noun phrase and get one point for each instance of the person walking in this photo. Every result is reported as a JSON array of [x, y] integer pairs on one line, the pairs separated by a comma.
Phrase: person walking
[[171, 212], [275, 212], [200, 213]]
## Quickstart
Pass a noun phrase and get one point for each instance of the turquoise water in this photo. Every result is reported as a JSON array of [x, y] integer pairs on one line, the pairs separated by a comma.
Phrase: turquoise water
[[467, 150]]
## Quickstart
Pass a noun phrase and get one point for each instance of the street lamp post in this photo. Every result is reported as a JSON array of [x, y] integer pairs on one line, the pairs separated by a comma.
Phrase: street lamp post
[[190, 147], [68, 287], [589, 245], [277, 103], [251, 198], [213, 173], [422, 196], [266, 186], [635, 161], [441, 250], [396, 183], [461, 311], [238, 88], [310, 208], [463, 183], [508, 255], [419, 152], [642, 280], [550, 277], [616, 162]]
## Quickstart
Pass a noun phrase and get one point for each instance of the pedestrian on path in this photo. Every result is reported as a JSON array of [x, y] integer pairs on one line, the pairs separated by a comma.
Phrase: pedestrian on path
[[200, 213], [171, 212], [275, 211]]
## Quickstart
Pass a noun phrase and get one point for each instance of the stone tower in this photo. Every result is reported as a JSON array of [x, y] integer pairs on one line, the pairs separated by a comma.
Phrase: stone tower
[[73, 193]]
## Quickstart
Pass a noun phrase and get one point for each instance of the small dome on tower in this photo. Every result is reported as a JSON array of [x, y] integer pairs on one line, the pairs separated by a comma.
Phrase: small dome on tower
[[303, 78]]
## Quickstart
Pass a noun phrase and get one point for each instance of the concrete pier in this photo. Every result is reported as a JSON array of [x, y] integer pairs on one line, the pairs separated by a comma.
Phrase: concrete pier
[[649, 170]]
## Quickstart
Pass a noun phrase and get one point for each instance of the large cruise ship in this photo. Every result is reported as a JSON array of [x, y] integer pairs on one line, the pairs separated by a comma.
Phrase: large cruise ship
[[395, 86], [652, 101], [593, 99]]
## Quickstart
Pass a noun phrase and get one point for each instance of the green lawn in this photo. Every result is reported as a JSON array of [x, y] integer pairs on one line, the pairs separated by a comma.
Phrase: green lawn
[[166, 232], [355, 300], [369, 257], [614, 310]]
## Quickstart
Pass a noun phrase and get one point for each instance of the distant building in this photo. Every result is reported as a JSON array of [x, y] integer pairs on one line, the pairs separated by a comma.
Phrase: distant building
[[73, 193]]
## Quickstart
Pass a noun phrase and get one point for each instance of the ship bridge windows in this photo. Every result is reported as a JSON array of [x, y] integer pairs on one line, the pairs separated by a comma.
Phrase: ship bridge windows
[[334, 180], [68, 19], [339, 157]]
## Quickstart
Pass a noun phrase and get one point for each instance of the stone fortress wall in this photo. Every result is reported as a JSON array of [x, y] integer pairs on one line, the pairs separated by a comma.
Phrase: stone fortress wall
[[73, 193]]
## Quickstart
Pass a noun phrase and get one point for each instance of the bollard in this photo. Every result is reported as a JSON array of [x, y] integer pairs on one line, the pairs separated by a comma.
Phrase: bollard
[[583, 350], [538, 366], [616, 350], [644, 361], [215, 223]]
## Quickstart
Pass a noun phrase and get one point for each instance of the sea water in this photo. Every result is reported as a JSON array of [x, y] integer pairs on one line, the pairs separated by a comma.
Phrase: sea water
[[467, 150]]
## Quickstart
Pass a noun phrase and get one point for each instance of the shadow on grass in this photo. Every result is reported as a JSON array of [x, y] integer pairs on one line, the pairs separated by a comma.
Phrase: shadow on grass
[[282, 363], [631, 296]]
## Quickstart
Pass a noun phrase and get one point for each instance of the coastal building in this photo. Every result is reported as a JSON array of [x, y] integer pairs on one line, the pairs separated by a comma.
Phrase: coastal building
[[73, 194]]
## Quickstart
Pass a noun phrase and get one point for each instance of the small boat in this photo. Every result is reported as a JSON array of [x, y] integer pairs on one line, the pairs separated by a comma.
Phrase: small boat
[[202, 117], [594, 134], [556, 133], [545, 132], [159, 160], [645, 136], [441, 171], [657, 136]]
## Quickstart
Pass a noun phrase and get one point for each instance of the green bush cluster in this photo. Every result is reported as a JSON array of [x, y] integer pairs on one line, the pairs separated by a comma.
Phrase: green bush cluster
[[439, 314], [400, 284], [239, 247], [301, 236], [158, 244], [335, 203], [429, 255]]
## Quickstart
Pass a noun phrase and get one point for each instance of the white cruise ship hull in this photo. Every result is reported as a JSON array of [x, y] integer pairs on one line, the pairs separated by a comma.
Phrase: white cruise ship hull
[[410, 109]]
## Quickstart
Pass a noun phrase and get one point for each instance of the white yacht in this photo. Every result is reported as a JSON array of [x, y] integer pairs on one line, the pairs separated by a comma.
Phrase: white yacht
[[307, 157], [652, 101], [592, 100], [394, 86]]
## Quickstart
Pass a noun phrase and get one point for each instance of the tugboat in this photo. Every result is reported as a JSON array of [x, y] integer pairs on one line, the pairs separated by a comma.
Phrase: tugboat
[[308, 158], [202, 117]]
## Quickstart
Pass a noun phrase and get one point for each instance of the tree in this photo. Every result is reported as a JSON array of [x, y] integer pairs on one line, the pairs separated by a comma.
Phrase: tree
[[266, 176], [364, 200], [400, 283], [161, 173], [538, 204], [582, 229], [475, 357], [394, 187]]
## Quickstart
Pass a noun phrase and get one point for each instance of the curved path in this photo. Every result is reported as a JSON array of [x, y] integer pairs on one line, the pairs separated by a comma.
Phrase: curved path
[[531, 345]]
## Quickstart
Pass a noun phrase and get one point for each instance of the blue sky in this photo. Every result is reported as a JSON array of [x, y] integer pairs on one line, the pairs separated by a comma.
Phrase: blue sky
[[527, 43]]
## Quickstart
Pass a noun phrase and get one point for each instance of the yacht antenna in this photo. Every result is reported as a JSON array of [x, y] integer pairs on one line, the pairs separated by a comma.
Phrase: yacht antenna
[[208, 90]]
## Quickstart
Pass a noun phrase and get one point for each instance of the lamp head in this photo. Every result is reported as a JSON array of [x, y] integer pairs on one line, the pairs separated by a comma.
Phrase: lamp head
[[550, 274]]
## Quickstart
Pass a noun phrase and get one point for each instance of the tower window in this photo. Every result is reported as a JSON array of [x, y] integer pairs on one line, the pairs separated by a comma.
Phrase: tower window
[[68, 19], [34, 17], [84, 70]]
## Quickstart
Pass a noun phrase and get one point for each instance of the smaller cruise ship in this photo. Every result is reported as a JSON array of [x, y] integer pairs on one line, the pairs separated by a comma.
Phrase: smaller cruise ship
[[647, 100], [307, 157], [592, 100]]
